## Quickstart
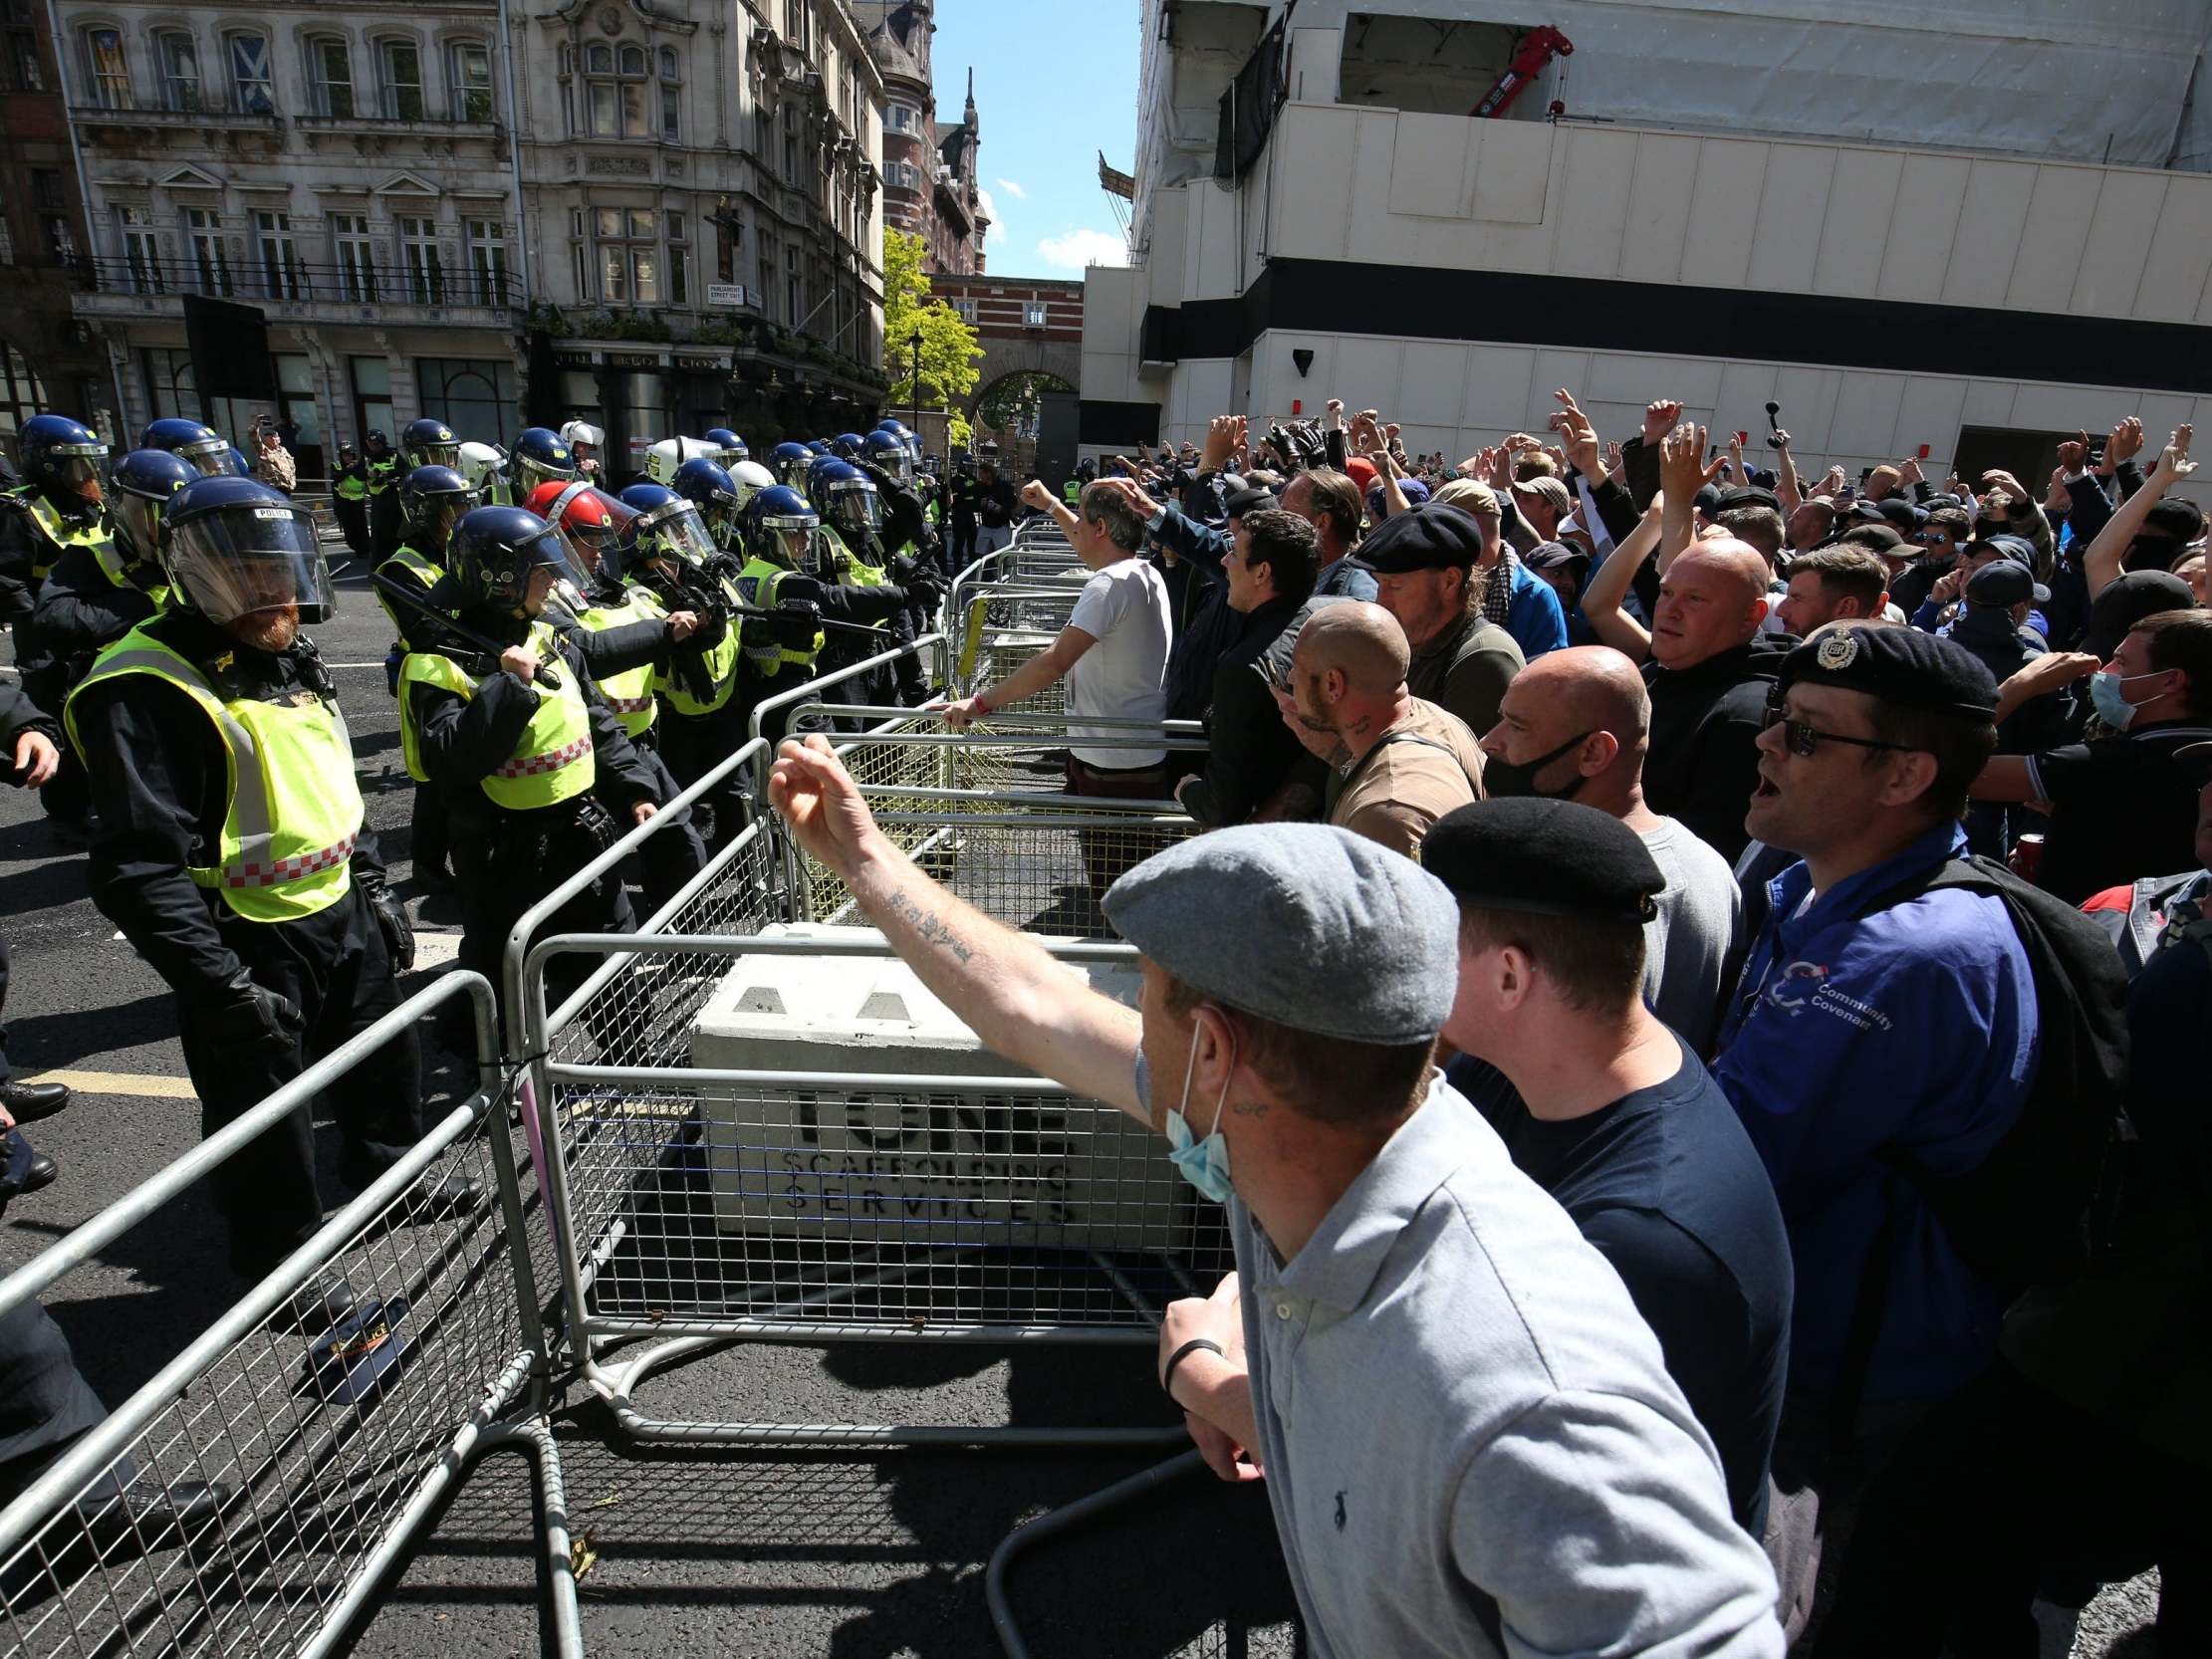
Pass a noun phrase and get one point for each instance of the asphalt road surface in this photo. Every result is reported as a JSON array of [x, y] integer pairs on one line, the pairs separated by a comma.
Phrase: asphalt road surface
[[691, 1552]]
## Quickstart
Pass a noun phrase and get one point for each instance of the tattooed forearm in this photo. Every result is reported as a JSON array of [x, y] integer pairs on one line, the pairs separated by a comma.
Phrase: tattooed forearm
[[929, 927]]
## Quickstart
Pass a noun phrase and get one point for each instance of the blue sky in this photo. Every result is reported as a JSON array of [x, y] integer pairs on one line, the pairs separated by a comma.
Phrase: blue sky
[[1054, 83]]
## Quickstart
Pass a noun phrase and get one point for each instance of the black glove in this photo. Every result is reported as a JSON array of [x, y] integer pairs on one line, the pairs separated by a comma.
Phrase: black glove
[[926, 587], [252, 1016], [796, 624], [393, 923]]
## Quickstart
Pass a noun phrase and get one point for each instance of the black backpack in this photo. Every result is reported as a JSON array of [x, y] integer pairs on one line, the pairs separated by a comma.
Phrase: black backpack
[[2041, 1208]]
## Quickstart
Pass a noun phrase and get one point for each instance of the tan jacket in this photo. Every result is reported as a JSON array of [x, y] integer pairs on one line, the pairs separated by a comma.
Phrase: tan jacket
[[277, 469]]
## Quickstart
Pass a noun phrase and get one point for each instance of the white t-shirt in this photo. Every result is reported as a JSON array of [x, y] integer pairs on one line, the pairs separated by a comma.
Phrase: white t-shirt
[[1124, 675]]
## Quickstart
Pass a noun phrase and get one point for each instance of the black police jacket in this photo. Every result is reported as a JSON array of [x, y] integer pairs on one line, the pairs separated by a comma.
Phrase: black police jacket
[[79, 611], [23, 548], [462, 739], [160, 784]]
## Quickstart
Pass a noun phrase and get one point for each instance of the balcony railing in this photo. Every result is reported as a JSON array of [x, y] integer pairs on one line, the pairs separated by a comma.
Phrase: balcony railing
[[177, 106], [280, 281]]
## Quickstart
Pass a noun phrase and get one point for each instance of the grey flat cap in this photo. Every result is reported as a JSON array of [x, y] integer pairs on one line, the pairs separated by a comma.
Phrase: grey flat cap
[[1305, 924]]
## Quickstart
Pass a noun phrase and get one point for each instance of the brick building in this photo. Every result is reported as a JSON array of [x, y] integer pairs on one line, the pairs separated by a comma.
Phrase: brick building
[[1030, 330], [930, 187], [48, 360]]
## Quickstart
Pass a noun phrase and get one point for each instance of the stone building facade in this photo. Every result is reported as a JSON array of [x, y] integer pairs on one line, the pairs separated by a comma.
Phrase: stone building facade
[[930, 184]]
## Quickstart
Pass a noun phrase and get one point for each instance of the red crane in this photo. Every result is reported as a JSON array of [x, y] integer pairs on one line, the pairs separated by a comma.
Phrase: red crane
[[1538, 47]]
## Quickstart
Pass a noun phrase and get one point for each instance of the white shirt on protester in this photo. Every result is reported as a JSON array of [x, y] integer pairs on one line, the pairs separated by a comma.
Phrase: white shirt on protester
[[1124, 675], [1686, 945]]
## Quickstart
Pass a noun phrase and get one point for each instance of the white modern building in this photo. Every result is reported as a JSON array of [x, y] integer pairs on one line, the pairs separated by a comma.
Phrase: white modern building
[[659, 214], [1970, 224]]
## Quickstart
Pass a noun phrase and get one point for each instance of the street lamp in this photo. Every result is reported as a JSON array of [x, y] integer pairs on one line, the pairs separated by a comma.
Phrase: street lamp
[[913, 348]]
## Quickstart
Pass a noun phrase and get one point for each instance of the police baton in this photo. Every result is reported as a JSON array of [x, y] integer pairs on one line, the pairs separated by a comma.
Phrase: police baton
[[820, 620], [414, 600]]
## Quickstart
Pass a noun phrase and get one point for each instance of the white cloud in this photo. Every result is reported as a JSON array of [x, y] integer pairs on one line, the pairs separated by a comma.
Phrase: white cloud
[[1013, 189], [990, 207], [1078, 248]]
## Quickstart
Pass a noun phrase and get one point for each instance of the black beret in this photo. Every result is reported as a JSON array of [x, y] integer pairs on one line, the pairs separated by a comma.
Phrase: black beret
[[1898, 665], [1747, 496], [1242, 502], [1546, 857], [2120, 605], [1435, 537]]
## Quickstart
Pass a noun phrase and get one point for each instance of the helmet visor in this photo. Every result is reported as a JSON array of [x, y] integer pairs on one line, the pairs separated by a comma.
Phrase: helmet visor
[[789, 537], [137, 522], [678, 532], [439, 455], [435, 516], [72, 465], [593, 524], [794, 471], [529, 473], [855, 508], [248, 558], [210, 455]]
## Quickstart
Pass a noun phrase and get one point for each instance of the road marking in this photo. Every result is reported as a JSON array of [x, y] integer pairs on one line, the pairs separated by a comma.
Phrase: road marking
[[152, 1086]]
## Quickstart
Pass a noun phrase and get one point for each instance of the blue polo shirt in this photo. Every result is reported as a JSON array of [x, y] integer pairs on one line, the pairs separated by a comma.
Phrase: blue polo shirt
[[1914, 1027]]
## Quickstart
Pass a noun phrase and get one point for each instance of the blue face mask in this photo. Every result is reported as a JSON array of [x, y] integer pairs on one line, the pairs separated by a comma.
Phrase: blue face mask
[[2110, 702], [1203, 1163]]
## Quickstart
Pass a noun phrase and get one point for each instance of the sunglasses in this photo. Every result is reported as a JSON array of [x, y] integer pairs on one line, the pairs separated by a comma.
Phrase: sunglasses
[[1805, 739]]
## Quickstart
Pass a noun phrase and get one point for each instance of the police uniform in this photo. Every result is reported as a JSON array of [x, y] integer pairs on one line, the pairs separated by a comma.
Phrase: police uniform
[[384, 524], [88, 601], [704, 694], [524, 771], [349, 500], [1853, 1037], [36, 530], [233, 854], [18, 715], [621, 632]]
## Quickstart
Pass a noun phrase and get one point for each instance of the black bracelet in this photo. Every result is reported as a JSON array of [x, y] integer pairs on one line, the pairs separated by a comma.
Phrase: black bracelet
[[1167, 1376]]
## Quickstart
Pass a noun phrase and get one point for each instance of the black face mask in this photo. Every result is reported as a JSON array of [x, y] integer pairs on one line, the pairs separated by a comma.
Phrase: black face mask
[[1501, 778]]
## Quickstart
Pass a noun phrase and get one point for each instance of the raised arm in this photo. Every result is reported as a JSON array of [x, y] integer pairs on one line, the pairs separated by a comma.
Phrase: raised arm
[[1611, 583], [1009, 989], [1035, 495], [2102, 563]]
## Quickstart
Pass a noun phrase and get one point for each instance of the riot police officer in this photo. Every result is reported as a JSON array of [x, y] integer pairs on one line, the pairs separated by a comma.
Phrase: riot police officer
[[584, 443], [852, 508], [57, 506], [707, 694], [428, 443], [93, 596], [233, 856], [524, 766], [709, 487], [208, 451], [726, 446], [789, 461], [383, 468], [30, 756], [538, 457], [629, 642], [349, 499], [432, 500]]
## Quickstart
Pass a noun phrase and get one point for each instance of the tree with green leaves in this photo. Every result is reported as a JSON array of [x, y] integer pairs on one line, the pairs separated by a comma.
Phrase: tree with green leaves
[[949, 350]]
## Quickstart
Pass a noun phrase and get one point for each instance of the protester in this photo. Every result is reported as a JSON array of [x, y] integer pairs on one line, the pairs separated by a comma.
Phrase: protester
[[1113, 654], [1610, 1112], [1576, 726], [1397, 764], [1831, 585], [1328, 500], [273, 463], [1295, 978], [1426, 577], [1268, 578], [2121, 805]]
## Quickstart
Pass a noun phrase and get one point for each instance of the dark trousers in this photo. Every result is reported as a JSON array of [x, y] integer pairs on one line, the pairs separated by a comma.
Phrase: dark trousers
[[334, 967], [674, 852], [431, 841], [963, 544], [1109, 854], [353, 524], [510, 860], [691, 746], [45, 1403], [383, 525], [2000, 1485], [5, 1074]]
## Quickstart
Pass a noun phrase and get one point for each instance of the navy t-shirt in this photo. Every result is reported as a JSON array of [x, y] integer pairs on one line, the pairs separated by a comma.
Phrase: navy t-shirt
[[1665, 1184]]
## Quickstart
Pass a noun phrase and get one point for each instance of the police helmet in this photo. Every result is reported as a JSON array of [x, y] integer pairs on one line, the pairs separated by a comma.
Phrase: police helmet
[[234, 460], [588, 520], [430, 443], [202, 447], [495, 553], [708, 486], [842, 494], [539, 455], [888, 451], [732, 446], [65, 457], [666, 459], [432, 498], [818, 447], [375, 438], [780, 526], [233, 548], [789, 461], [750, 476], [845, 446], [666, 527], [140, 490], [582, 432]]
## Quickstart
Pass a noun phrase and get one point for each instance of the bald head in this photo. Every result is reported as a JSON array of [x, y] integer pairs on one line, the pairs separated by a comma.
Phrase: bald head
[[1360, 642], [1738, 559], [1594, 689], [1712, 598]]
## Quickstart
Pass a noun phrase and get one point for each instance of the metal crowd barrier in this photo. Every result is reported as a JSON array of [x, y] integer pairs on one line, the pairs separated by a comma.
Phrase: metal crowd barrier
[[706, 1204], [329, 1467]]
